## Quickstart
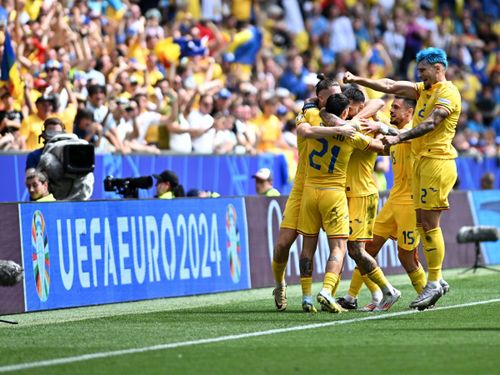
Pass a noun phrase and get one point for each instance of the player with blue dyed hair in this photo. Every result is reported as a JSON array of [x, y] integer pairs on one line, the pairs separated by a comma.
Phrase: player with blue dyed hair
[[433, 56], [434, 172]]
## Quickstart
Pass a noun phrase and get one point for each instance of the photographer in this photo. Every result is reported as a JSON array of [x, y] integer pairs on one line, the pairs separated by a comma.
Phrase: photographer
[[167, 185]]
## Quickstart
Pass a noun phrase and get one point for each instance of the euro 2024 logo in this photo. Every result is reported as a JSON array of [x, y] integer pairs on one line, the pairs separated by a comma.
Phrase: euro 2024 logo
[[233, 243], [40, 256]]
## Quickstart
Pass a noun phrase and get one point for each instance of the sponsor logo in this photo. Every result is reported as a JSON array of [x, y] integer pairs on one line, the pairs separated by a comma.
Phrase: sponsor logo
[[233, 245], [40, 256]]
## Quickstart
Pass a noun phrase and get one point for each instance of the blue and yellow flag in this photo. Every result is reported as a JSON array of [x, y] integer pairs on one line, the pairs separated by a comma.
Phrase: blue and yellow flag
[[10, 72], [116, 9]]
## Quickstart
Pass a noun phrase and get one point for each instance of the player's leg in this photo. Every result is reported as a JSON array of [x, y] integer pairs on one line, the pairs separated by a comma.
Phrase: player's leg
[[309, 226], [362, 221], [408, 239], [309, 245], [287, 235], [334, 217], [436, 181], [415, 271], [332, 275], [383, 228]]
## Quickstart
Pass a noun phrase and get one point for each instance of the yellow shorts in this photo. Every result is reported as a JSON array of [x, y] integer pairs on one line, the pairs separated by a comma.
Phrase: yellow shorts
[[433, 180], [362, 211], [324, 208], [398, 221], [292, 209]]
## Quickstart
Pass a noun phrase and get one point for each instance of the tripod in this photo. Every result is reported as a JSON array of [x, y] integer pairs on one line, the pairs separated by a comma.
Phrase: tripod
[[476, 262]]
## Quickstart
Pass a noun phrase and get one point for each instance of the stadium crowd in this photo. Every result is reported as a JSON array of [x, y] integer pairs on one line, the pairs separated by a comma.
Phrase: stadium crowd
[[216, 76]]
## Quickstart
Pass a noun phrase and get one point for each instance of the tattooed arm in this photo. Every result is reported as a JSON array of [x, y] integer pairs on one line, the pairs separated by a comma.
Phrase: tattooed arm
[[437, 115]]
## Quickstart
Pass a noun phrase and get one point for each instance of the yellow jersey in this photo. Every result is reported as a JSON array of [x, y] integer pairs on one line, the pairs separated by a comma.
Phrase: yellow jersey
[[360, 181], [402, 168], [327, 158], [437, 143]]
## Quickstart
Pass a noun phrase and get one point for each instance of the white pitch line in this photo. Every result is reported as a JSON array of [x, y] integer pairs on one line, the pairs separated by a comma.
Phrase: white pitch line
[[86, 357]]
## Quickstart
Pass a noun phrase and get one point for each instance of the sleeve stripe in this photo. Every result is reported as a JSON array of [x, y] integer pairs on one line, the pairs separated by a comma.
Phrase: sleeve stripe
[[443, 107]]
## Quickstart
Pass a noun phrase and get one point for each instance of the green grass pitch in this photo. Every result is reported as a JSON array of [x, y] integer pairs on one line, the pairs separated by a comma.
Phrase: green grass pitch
[[240, 333]]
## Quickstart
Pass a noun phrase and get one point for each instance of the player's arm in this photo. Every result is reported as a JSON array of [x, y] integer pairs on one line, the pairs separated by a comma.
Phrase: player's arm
[[435, 118], [372, 106], [406, 89], [370, 126], [305, 130]]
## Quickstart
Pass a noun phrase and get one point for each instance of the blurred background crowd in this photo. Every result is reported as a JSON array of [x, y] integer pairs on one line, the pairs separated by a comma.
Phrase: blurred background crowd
[[217, 76]]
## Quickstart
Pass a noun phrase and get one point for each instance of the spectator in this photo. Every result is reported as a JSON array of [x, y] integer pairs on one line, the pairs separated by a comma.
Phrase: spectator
[[167, 185], [264, 183], [202, 123], [86, 128], [37, 184]]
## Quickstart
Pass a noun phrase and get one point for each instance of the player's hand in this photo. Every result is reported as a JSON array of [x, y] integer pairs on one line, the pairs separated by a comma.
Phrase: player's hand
[[368, 126], [347, 131], [348, 77], [390, 140]]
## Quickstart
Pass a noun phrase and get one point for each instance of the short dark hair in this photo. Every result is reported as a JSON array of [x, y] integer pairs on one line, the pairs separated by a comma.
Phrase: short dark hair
[[94, 89], [52, 121], [408, 103], [336, 104], [354, 94], [83, 114], [325, 83]]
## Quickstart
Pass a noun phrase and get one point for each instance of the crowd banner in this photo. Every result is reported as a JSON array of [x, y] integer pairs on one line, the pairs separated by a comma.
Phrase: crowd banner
[[228, 175], [264, 218], [11, 297], [486, 206], [86, 253]]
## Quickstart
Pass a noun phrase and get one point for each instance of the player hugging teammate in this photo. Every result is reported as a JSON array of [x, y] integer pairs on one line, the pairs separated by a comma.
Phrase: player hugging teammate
[[423, 121]]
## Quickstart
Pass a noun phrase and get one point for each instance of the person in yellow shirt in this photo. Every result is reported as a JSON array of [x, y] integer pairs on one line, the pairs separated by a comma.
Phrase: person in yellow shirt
[[288, 228], [269, 127], [31, 126], [362, 196], [434, 172], [37, 184], [397, 220], [324, 201], [167, 185]]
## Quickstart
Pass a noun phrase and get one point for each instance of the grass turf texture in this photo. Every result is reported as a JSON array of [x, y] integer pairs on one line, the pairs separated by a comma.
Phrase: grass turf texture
[[450, 341]]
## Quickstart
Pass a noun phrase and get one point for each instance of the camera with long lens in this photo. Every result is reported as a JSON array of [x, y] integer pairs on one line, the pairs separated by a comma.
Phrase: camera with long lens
[[127, 187]]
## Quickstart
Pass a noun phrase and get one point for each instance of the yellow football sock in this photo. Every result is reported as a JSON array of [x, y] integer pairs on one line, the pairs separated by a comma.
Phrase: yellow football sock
[[433, 244], [329, 281], [417, 278], [306, 284], [356, 283], [370, 284], [279, 272], [336, 287], [378, 277]]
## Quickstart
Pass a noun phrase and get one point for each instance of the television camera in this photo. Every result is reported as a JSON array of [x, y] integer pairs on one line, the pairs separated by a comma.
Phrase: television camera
[[127, 187]]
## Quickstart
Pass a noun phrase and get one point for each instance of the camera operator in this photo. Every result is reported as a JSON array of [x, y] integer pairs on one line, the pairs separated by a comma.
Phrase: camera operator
[[37, 184], [51, 127], [167, 185], [68, 162]]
